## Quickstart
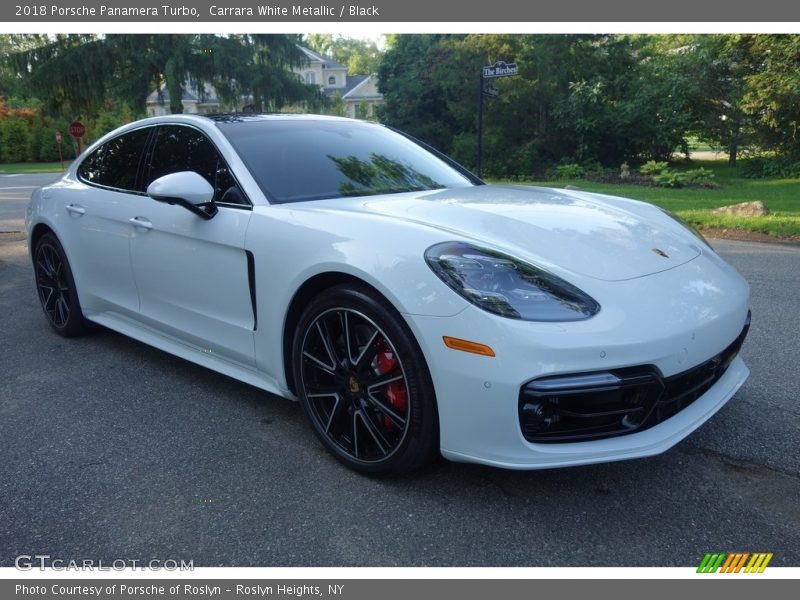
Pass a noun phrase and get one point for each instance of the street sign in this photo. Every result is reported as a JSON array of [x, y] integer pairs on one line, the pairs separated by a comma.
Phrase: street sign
[[77, 129], [491, 92], [60, 152], [500, 69]]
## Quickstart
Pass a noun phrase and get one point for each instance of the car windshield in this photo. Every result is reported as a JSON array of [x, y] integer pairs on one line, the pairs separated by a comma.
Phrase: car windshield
[[293, 160]]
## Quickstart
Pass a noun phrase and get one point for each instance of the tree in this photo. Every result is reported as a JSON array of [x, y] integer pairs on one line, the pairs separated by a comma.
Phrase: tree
[[658, 101], [335, 105], [258, 67], [576, 97], [720, 66], [76, 74], [10, 45], [358, 55], [580, 98], [415, 91], [772, 94]]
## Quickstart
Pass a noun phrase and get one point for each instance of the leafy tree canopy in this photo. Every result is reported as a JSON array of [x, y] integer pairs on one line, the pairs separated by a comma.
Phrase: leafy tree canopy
[[75, 74]]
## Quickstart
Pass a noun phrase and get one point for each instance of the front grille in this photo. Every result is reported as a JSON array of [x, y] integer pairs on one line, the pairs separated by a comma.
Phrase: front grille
[[590, 406]]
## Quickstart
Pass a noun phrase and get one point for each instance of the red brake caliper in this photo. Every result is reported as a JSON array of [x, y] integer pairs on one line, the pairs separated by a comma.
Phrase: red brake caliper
[[395, 391]]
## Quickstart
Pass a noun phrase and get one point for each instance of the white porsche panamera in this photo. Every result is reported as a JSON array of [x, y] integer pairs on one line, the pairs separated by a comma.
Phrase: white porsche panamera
[[410, 308]]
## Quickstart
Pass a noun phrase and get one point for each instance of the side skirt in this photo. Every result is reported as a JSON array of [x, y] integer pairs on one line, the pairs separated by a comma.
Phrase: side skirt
[[157, 339]]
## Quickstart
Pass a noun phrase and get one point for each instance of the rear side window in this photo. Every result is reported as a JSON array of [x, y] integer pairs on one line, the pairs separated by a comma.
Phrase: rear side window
[[179, 148], [115, 164]]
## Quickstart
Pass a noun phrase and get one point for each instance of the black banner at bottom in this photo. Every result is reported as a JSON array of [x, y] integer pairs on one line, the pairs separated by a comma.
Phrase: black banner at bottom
[[372, 589]]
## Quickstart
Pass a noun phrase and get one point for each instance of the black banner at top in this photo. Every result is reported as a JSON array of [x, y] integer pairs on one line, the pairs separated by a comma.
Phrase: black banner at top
[[392, 11]]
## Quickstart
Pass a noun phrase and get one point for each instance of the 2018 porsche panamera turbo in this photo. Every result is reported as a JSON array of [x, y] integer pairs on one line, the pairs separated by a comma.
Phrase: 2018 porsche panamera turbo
[[410, 308]]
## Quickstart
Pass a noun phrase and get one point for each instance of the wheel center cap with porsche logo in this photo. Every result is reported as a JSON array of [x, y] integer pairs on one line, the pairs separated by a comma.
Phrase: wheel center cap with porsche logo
[[660, 252], [354, 385]]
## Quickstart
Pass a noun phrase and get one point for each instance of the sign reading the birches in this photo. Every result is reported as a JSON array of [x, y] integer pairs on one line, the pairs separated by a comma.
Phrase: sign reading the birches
[[500, 69]]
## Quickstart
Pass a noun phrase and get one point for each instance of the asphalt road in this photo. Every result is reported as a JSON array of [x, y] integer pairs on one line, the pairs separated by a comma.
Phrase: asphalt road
[[113, 450], [15, 190]]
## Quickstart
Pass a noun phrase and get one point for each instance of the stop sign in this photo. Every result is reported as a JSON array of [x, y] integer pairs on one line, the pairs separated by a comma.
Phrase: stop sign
[[77, 129]]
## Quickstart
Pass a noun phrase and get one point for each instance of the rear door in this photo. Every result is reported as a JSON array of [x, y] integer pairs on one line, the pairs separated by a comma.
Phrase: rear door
[[95, 223]]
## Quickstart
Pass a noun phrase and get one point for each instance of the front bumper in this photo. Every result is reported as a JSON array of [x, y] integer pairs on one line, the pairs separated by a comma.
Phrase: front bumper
[[652, 441], [702, 313], [590, 406]]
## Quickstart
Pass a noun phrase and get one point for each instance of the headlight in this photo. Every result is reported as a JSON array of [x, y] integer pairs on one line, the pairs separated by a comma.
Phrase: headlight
[[506, 286], [686, 225]]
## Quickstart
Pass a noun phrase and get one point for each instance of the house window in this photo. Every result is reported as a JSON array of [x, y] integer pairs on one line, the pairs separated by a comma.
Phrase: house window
[[331, 80], [311, 77]]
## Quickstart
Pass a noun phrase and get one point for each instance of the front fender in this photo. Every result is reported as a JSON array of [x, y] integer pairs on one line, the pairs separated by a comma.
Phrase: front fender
[[291, 245]]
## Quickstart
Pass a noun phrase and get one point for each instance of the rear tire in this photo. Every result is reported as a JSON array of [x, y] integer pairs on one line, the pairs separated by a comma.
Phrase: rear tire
[[56, 287], [363, 382]]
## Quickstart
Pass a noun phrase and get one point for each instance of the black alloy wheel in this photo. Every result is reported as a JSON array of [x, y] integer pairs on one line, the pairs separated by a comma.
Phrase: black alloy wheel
[[363, 383], [56, 287]]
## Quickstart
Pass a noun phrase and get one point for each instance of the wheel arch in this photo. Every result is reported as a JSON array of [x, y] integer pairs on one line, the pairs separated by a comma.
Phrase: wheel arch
[[78, 324], [304, 294], [36, 234]]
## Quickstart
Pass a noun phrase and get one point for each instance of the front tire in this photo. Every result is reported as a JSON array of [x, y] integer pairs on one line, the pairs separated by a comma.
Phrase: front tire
[[363, 383], [56, 287]]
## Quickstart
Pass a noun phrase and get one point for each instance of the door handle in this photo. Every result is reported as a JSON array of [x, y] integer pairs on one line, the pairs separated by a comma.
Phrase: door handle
[[140, 222], [75, 209]]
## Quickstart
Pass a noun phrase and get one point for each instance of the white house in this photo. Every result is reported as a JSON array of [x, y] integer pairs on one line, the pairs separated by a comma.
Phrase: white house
[[358, 92], [194, 101]]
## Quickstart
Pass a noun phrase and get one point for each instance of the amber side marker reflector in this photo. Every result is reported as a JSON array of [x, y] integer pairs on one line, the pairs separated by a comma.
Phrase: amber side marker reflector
[[467, 346]]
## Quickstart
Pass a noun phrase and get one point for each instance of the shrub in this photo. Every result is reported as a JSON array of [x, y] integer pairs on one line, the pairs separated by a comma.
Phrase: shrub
[[752, 168], [652, 167], [775, 166], [661, 175], [669, 178], [701, 177], [15, 140], [570, 171]]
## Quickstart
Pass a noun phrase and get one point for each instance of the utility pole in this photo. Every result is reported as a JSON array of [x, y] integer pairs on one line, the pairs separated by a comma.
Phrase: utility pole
[[480, 122], [499, 69]]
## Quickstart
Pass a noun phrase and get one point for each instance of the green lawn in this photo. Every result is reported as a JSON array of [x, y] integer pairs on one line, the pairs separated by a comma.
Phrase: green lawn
[[52, 167], [695, 145], [782, 197]]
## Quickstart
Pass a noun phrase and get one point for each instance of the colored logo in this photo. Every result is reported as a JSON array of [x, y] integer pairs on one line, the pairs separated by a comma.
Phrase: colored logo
[[736, 562]]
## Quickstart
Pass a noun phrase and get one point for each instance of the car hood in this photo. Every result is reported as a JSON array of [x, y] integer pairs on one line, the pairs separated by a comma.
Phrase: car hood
[[574, 231]]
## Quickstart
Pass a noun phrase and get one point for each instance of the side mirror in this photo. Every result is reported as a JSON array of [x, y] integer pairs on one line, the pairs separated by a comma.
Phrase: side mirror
[[187, 189]]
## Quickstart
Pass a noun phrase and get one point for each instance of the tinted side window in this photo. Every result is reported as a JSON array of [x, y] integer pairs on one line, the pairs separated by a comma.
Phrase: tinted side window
[[180, 148], [115, 164]]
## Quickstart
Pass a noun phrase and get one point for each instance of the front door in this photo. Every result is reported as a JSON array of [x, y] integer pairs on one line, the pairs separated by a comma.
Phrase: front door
[[191, 273]]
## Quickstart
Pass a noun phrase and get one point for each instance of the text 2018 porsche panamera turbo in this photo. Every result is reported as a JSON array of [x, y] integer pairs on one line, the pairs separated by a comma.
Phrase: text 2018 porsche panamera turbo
[[410, 308]]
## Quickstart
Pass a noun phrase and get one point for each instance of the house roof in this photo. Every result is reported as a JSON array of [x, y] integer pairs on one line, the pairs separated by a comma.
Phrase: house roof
[[352, 82], [327, 61], [354, 92]]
